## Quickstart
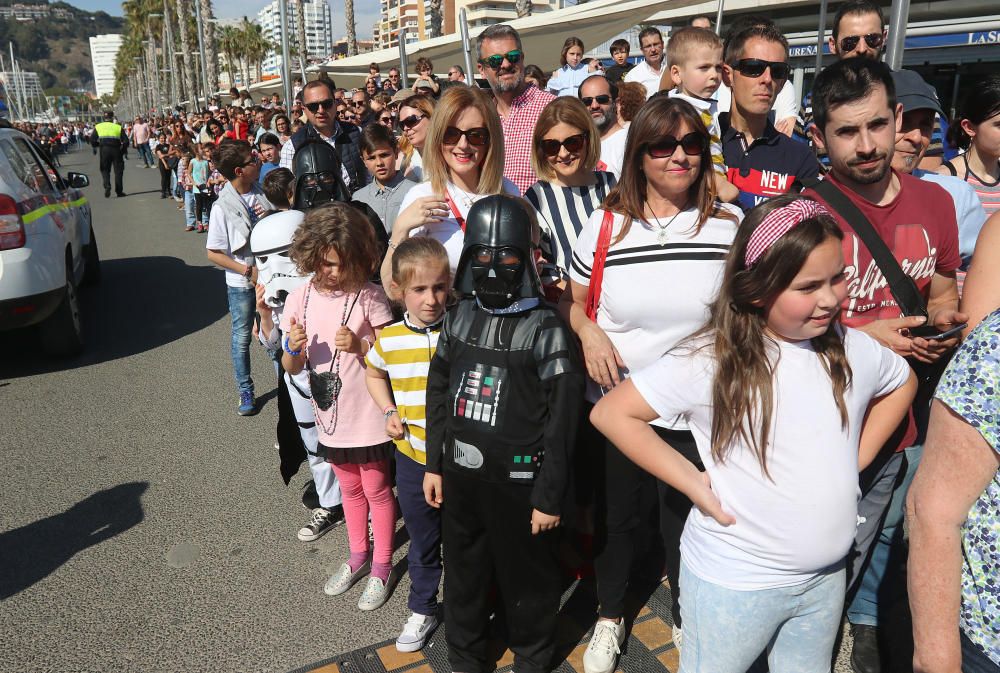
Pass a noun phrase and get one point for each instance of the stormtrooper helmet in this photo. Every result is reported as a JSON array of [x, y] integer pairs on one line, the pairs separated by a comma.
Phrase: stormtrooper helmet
[[319, 179], [497, 265], [270, 241]]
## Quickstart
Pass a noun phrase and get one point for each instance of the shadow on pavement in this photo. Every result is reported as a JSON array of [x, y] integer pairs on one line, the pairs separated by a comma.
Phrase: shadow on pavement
[[140, 304], [31, 553]]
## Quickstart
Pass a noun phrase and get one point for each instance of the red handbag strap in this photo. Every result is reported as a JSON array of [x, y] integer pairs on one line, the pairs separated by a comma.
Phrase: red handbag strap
[[454, 211], [597, 272]]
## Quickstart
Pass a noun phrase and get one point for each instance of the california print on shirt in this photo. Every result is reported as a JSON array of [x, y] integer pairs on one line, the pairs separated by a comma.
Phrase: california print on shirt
[[868, 294]]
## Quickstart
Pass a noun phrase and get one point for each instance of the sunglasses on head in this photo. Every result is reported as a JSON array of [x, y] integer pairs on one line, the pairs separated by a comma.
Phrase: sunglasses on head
[[477, 137], [410, 121], [693, 144], [755, 67], [326, 104], [603, 99], [496, 60], [873, 40], [572, 144]]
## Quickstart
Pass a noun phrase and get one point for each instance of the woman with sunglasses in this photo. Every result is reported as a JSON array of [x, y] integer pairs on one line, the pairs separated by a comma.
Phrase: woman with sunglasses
[[666, 246], [565, 150], [414, 120], [566, 80], [463, 163]]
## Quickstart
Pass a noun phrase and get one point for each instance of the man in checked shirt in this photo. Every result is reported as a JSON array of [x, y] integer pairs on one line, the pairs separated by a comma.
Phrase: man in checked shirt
[[501, 62]]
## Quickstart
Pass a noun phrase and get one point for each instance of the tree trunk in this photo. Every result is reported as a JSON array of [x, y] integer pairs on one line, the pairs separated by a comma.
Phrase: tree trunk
[[211, 53], [523, 8], [352, 31], [300, 30], [436, 18], [183, 25]]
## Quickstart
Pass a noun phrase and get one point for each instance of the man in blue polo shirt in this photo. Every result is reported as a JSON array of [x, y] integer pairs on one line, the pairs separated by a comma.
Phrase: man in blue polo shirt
[[762, 161]]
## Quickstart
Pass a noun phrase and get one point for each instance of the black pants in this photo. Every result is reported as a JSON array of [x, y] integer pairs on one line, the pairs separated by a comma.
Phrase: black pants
[[202, 205], [109, 156], [623, 518], [486, 530], [164, 180]]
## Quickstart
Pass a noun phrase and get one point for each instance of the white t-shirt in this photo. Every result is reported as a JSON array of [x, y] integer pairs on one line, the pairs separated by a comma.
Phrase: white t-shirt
[[448, 231], [218, 239], [789, 529], [785, 104], [654, 295], [646, 76], [613, 151]]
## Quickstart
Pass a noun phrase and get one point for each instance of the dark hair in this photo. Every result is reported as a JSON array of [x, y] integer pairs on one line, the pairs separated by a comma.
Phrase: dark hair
[[345, 229], [459, 68], [315, 84], [736, 41], [536, 73], [744, 21], [269, 139], [611, 85], [423, 63], [374, 135], [569, 44], [498, 31], [650, 30], [701, 16], [620, 45], [846, 81], [856, 7], [374, 66], [743, 383], [276, 185], [981, 103], [230, 155], [279, 117]]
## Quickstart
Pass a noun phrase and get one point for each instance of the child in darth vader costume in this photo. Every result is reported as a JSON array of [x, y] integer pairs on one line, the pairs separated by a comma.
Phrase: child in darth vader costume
[[504, 395]]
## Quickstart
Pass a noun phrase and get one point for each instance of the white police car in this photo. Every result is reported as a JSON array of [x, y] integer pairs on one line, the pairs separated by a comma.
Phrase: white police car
[[47, 245]]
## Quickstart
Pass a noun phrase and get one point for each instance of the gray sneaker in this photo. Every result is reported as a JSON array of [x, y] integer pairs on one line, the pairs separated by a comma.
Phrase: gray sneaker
[[321, 522], [344, 579], [376, 593]]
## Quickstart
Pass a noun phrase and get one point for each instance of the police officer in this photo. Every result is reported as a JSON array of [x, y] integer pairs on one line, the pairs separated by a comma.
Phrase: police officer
[[111, 138]]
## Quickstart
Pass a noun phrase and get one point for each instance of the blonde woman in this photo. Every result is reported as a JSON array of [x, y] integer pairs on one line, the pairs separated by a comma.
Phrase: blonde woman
[[414, 120], [463, 163]]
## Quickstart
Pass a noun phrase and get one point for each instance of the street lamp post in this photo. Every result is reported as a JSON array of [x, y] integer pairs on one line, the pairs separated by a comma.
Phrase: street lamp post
[[175, 94], [286, 71], [201, 51]]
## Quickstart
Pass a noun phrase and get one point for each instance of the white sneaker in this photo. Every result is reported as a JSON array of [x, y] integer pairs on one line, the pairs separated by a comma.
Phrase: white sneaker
[[375, 595], [677, 635], [344, 579], [604, 648], [416, 631]]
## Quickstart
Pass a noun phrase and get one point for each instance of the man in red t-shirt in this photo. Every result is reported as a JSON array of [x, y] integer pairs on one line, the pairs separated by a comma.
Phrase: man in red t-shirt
[[854, 106]]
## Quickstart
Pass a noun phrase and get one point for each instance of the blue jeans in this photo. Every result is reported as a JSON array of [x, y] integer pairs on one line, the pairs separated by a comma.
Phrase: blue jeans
[[241, 308], [884, 580], [146, 154], [726, 630], [189, 220]]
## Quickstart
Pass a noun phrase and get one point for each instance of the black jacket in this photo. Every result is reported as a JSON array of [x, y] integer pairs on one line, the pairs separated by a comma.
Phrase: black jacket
[[348, 144]]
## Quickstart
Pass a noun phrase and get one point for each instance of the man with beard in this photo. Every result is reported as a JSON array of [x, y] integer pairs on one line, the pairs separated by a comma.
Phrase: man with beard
[[857, 120], [501, 63], [599, 96]]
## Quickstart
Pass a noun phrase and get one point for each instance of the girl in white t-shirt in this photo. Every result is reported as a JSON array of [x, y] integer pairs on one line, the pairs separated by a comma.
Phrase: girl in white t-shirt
[[805, 403]]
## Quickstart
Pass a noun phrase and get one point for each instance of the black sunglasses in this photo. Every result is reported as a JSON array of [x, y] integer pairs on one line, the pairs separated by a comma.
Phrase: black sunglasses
[[572, 144], [693, 144], [326, 104], [410, 121], [873, 40], [385, 120], [496, 60], [755, 67], [603, 99], [477, 137]]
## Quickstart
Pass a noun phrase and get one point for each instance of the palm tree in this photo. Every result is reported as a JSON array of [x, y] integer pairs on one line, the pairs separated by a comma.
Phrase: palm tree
[[211, 49], [523, 8], [184, 33], [436, 16], [352, 30], [256, 46], [229, 45], [300, 29]]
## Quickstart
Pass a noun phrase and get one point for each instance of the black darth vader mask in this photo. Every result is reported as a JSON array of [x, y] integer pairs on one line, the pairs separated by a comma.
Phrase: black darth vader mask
[[497, 263], [318, 176]]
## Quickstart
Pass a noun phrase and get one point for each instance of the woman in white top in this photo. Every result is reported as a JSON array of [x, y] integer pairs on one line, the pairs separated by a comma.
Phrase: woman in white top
[[462, 164], [414, 119], [564, 154], [668, 245]]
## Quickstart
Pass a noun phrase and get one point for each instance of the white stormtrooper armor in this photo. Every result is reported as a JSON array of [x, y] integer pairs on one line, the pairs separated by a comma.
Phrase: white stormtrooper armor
[[269, 243]]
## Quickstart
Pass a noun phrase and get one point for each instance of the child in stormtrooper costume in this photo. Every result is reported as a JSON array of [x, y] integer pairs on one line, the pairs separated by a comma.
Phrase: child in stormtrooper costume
[[504, 395]]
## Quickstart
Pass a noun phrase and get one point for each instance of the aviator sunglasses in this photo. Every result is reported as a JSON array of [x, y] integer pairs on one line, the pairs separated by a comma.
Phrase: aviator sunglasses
[[755, 67], [477, 137], [326, 104], [572, 144], [496, 60], [603, 99], [693, 144], [873, 40]]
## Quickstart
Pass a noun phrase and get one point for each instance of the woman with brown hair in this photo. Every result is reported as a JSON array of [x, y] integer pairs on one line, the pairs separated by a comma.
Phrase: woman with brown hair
[[565, 150], [463, 163], [661, 228], [414, 120]]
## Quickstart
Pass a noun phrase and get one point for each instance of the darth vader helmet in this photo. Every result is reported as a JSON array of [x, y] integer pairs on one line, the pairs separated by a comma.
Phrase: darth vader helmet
[[270, 241], [497, 265], [318, 176]]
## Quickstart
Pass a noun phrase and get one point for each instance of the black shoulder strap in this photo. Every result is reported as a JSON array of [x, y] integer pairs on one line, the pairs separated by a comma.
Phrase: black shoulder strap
[[951, 168], [903, 289]]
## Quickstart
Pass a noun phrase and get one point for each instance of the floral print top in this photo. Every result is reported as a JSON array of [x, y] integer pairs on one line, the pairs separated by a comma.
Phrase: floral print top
[[971, 387]]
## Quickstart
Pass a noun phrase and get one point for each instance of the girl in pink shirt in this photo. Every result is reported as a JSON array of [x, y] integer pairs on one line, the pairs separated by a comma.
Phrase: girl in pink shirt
[[330, 325]]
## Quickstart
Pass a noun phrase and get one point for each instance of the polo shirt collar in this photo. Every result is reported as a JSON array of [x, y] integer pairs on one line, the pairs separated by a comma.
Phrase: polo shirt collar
[[771, 135], [391, 185]]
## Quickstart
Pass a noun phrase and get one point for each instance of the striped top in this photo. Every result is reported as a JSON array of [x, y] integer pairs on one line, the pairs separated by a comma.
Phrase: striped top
[[988, 192], [404, 351], [563, 212]]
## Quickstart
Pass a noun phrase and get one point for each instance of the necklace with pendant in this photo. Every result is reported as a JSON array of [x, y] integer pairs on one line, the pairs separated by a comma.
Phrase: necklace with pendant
[[662, 235]]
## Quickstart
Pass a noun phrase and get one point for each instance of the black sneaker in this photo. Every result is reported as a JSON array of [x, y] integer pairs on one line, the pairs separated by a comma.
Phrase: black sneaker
[[322, 521], [865, 656], [107, 193]]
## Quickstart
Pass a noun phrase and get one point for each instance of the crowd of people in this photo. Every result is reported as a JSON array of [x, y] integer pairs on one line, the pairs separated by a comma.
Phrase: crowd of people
[[649, 309]]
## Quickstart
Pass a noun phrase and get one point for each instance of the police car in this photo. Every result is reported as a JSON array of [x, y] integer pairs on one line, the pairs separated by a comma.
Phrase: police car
[[47, 245]]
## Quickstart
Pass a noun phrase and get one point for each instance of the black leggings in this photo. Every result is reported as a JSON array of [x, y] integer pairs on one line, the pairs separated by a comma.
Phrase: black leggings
[[164, 180]]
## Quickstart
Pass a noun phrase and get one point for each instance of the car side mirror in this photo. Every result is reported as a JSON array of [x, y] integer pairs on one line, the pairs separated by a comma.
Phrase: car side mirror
[[77, 180]]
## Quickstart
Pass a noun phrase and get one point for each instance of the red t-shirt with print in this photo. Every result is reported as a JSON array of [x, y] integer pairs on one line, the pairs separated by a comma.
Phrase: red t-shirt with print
[[920, 228]]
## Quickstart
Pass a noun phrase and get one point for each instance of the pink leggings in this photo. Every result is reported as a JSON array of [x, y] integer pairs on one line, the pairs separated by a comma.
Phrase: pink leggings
[[365, 486]]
